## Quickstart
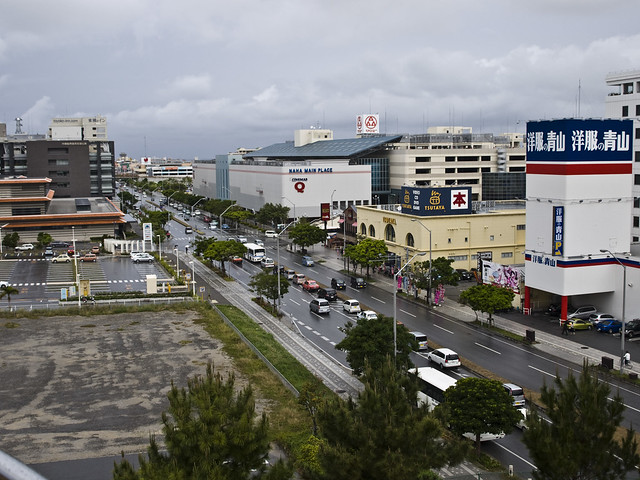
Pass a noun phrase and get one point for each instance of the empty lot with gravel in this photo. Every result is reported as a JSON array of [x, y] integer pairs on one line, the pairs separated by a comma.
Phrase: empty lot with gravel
[[80, 387]]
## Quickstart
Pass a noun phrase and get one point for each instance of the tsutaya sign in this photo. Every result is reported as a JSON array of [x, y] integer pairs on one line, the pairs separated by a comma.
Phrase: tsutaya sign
[[433, 201]]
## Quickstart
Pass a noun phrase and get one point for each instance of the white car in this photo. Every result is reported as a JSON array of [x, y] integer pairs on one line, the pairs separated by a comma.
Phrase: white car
[[141, 257], [270, 234], [4, 284], [368, 315], [25, 246], [267, 262], [212, 226], [62, 258], [351, 306], [444, 357]]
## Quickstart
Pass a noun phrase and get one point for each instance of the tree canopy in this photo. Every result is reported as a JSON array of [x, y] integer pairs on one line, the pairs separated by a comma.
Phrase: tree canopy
[[265, 285], [272, 214], [384, 434], [222, 251], [305, 234], [371, 341], [442, 273], [487, 298], [210, 432], [479, 405], [579, 441], [367, 252]]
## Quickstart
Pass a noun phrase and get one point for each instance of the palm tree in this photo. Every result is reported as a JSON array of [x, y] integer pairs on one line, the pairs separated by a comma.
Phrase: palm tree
[[7, 290]]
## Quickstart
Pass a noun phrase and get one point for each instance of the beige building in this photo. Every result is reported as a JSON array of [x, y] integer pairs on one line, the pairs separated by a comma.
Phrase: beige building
[[499, 235]]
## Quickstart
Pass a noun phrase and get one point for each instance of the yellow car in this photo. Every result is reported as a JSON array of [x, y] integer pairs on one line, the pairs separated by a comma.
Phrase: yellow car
[[579, 324]]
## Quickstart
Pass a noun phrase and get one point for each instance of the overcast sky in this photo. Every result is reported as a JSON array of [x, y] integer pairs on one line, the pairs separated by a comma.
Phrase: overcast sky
[[197, 78]]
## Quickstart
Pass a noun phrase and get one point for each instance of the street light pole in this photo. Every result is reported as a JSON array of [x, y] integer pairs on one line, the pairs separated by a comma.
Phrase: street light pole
[[75, 262], [175, 250], [395, 304], [1, 237], [278, 254], [294, 208], [428, 230], [159, 247], [194, 205], [193, 277], [624, 298]]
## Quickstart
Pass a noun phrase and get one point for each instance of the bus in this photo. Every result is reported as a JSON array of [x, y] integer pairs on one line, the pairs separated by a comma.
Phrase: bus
[[255, 253], [432, 384]]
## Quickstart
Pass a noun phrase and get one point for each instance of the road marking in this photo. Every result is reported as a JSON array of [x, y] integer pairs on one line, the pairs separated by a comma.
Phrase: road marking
[[293, 301], [541, 371], [515, 455], [490, 349], [442, 328], [307, 327], [324, 338], [410, 314], [315, 332], [378, 300]]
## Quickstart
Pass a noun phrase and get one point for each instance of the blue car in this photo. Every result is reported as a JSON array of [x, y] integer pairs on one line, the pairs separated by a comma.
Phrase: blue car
[[609, 326]]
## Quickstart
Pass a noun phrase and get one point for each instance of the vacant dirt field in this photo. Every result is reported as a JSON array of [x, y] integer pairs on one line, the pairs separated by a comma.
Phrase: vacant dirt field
[[79, 387]]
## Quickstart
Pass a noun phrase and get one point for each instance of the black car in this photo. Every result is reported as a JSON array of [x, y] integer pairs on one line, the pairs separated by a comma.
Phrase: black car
[[59, 245], [358, 282], [464, 275], [632, 328], [338, 284], [329, 294]]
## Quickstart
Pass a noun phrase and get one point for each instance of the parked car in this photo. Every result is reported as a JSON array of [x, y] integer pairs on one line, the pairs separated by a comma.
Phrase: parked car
[[351, 306], [62, 258], [596, 318], [367, 315], [358, 282], [579, 324], [270, 234], [421, 338], [464, 275], [583, 312], [48, 252], [267, 262], [89, 257], [188, 230], [310, 285], [59, 245], [444, 358], [307, 261], [338, 284], [329, 294], [142, 257], [95, 249], [516, 392], [225, 226], [236, 260], [4, 284], [319, 305], [299, 278], [609, 326], [632, 328], [25, 246]]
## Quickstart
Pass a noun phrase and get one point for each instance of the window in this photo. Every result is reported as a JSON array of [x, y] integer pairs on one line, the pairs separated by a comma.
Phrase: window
[[410, 241], [637, 156], [637, 133], [636, 179], [423, 171], [636, 202], [423, 159], [521, 227], [372, 231], [636, 222], [449, 159], [491, 237], [637, 110], [506, 254], [467, 170], [457, 258], [363, 229], [625, 110], [449, 170], [636, 239], [389, 234]]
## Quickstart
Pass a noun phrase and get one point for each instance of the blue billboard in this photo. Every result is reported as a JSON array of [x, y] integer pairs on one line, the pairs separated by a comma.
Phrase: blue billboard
[[576, 140], [433, 201]]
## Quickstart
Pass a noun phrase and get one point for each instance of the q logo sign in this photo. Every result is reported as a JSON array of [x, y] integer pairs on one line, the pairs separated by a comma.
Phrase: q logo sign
[[299, 186]]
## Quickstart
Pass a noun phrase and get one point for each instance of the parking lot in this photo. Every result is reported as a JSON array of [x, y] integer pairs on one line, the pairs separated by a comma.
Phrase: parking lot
[[81, 387]]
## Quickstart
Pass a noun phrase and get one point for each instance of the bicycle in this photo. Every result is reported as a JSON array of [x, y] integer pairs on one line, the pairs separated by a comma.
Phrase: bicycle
[[86, 300]]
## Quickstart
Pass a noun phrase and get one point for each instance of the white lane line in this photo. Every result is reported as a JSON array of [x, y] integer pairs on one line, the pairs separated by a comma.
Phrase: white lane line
[[293, 301], [552, 375], [442, 328], [407, 313], [487, 348], [333, 343], [378, 300], [308, 327], [315, 332], [324, 338], [515, 455]]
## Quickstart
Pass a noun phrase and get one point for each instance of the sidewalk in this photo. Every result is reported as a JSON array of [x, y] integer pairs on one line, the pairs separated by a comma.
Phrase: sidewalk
[[551, 344]]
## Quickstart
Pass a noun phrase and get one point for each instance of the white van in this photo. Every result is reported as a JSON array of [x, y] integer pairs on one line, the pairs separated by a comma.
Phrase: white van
[[421, 338], [319, 305]]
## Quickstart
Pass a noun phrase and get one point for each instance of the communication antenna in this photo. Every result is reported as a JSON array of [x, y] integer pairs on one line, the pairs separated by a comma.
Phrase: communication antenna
[[18, 125]]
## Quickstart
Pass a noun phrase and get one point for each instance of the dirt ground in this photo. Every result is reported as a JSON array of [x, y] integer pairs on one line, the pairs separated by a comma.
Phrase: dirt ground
[[81, 387]]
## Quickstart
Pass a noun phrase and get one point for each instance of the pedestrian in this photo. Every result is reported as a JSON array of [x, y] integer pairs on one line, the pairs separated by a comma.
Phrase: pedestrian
[[627, 358], [565, 329]]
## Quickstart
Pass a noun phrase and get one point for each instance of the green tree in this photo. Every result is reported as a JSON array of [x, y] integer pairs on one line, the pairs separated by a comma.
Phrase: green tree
[[272, 214], [581, 414], [442, 273], [44, 239], [487, 298], [210, 432], [367, 252], [477, 406], [223, 251], [7, 291], [305, 234], [11, 240], [265, 285], [384, 434], [371, 342]]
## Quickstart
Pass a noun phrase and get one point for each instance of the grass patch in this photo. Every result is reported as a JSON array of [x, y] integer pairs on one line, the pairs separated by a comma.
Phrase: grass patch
[[88, 325], [11, 325], [185, 342]]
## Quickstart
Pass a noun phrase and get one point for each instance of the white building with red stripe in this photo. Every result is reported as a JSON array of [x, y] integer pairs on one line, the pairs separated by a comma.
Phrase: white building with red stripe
[[579, 201]]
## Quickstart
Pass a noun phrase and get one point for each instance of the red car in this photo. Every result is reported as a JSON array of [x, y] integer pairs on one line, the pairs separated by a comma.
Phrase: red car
[[237, 260], [310, 285]]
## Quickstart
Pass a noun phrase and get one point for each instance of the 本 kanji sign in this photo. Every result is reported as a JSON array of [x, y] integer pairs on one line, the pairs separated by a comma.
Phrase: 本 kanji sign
[[432, 201]]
